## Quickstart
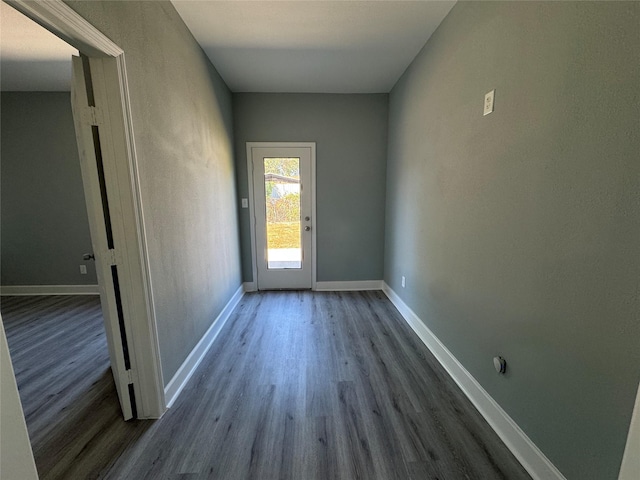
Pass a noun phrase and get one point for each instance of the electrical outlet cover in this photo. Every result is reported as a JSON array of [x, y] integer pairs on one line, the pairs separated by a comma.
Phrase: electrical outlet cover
[[488, 102]]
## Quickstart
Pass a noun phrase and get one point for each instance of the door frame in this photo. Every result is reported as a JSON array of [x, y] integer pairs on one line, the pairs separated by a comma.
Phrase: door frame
[[253, 285], [65, 23], [630, 467]]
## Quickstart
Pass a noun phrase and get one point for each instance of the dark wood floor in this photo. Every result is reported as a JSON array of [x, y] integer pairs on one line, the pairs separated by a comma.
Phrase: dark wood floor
[[298, 385], [59, 353]]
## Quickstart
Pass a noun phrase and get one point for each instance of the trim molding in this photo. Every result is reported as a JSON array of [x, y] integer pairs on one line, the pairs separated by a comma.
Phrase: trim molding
[[527, 453], [65, 23], [250, 287], [630, 469], [349, 286], [23, 290], [188, 367]]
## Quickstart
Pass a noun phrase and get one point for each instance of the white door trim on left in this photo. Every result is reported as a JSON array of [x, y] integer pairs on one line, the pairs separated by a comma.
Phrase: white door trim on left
[[64, 22], [17, 461], [630, 468]]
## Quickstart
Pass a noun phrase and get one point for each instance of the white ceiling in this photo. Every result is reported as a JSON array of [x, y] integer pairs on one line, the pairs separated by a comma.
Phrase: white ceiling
[[258, 46], [31, 58], [312, 46]]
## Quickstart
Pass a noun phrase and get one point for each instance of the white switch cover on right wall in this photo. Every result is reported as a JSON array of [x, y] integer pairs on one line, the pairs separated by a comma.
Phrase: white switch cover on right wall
[[488, 102]]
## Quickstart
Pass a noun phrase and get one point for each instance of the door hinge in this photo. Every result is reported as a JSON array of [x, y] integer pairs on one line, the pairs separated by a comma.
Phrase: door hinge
[[92, 115], [129, 377], [111, 257]]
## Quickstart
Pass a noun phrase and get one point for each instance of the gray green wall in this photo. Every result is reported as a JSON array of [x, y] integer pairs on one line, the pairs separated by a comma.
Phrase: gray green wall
[[518, 232], [182, 119], [350, 132], [44, 229]]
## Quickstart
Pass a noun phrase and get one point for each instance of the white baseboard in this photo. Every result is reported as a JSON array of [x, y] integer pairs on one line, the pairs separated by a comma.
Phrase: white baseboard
[[527, 453], [21, 290], [188, 367], [331, 286], [630, 469], [349, 286]]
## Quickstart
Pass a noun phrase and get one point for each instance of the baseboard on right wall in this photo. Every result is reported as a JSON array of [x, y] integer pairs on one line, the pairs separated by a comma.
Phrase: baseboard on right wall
[[527, 453]]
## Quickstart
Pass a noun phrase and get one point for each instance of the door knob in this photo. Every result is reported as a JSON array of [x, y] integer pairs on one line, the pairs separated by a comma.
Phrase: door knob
[[88, 256], [307, 228]]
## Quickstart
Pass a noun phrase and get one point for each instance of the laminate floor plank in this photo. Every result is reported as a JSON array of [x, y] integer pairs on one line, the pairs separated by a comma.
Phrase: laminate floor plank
[[298, 385]]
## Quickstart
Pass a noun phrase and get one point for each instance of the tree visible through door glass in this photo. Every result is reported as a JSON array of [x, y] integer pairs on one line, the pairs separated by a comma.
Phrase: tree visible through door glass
[[282, 199]]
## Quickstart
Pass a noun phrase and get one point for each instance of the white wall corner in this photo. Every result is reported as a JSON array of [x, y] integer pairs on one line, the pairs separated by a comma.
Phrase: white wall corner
[[527, 453], [630, 468], [23, 290], [181, 378], [351, 286]]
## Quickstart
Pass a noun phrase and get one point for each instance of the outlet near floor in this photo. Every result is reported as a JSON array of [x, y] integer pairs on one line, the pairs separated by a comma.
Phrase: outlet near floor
[[403, 281]]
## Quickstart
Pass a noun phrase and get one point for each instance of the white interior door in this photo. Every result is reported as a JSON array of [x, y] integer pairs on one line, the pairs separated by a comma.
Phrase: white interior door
[[92, 145], [284, 215]]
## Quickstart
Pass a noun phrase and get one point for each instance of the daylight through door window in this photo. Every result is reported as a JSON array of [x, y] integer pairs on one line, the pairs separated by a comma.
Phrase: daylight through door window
[[282, 199]]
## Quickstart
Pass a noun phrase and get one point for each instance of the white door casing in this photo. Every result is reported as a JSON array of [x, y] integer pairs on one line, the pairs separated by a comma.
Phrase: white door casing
[[271, 272], [123, 183], [630, 468]]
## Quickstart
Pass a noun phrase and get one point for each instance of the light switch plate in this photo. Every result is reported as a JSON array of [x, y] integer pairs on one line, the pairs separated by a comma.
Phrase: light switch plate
[[245, 203], [488, 102]]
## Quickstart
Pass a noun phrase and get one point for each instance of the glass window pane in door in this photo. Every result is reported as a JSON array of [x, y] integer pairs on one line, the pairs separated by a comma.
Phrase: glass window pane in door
[[282, 199]]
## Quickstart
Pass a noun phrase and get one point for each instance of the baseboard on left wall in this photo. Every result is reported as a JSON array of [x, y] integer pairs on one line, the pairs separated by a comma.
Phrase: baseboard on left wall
[[22, 290], [188, 367]]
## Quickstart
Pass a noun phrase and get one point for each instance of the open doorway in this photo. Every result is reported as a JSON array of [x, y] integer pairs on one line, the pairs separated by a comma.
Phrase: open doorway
[[61, 351], [55, 330], [105, 140]]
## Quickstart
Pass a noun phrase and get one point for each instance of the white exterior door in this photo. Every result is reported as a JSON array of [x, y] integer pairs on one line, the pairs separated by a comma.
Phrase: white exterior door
[[103, 220], [283, 209]]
